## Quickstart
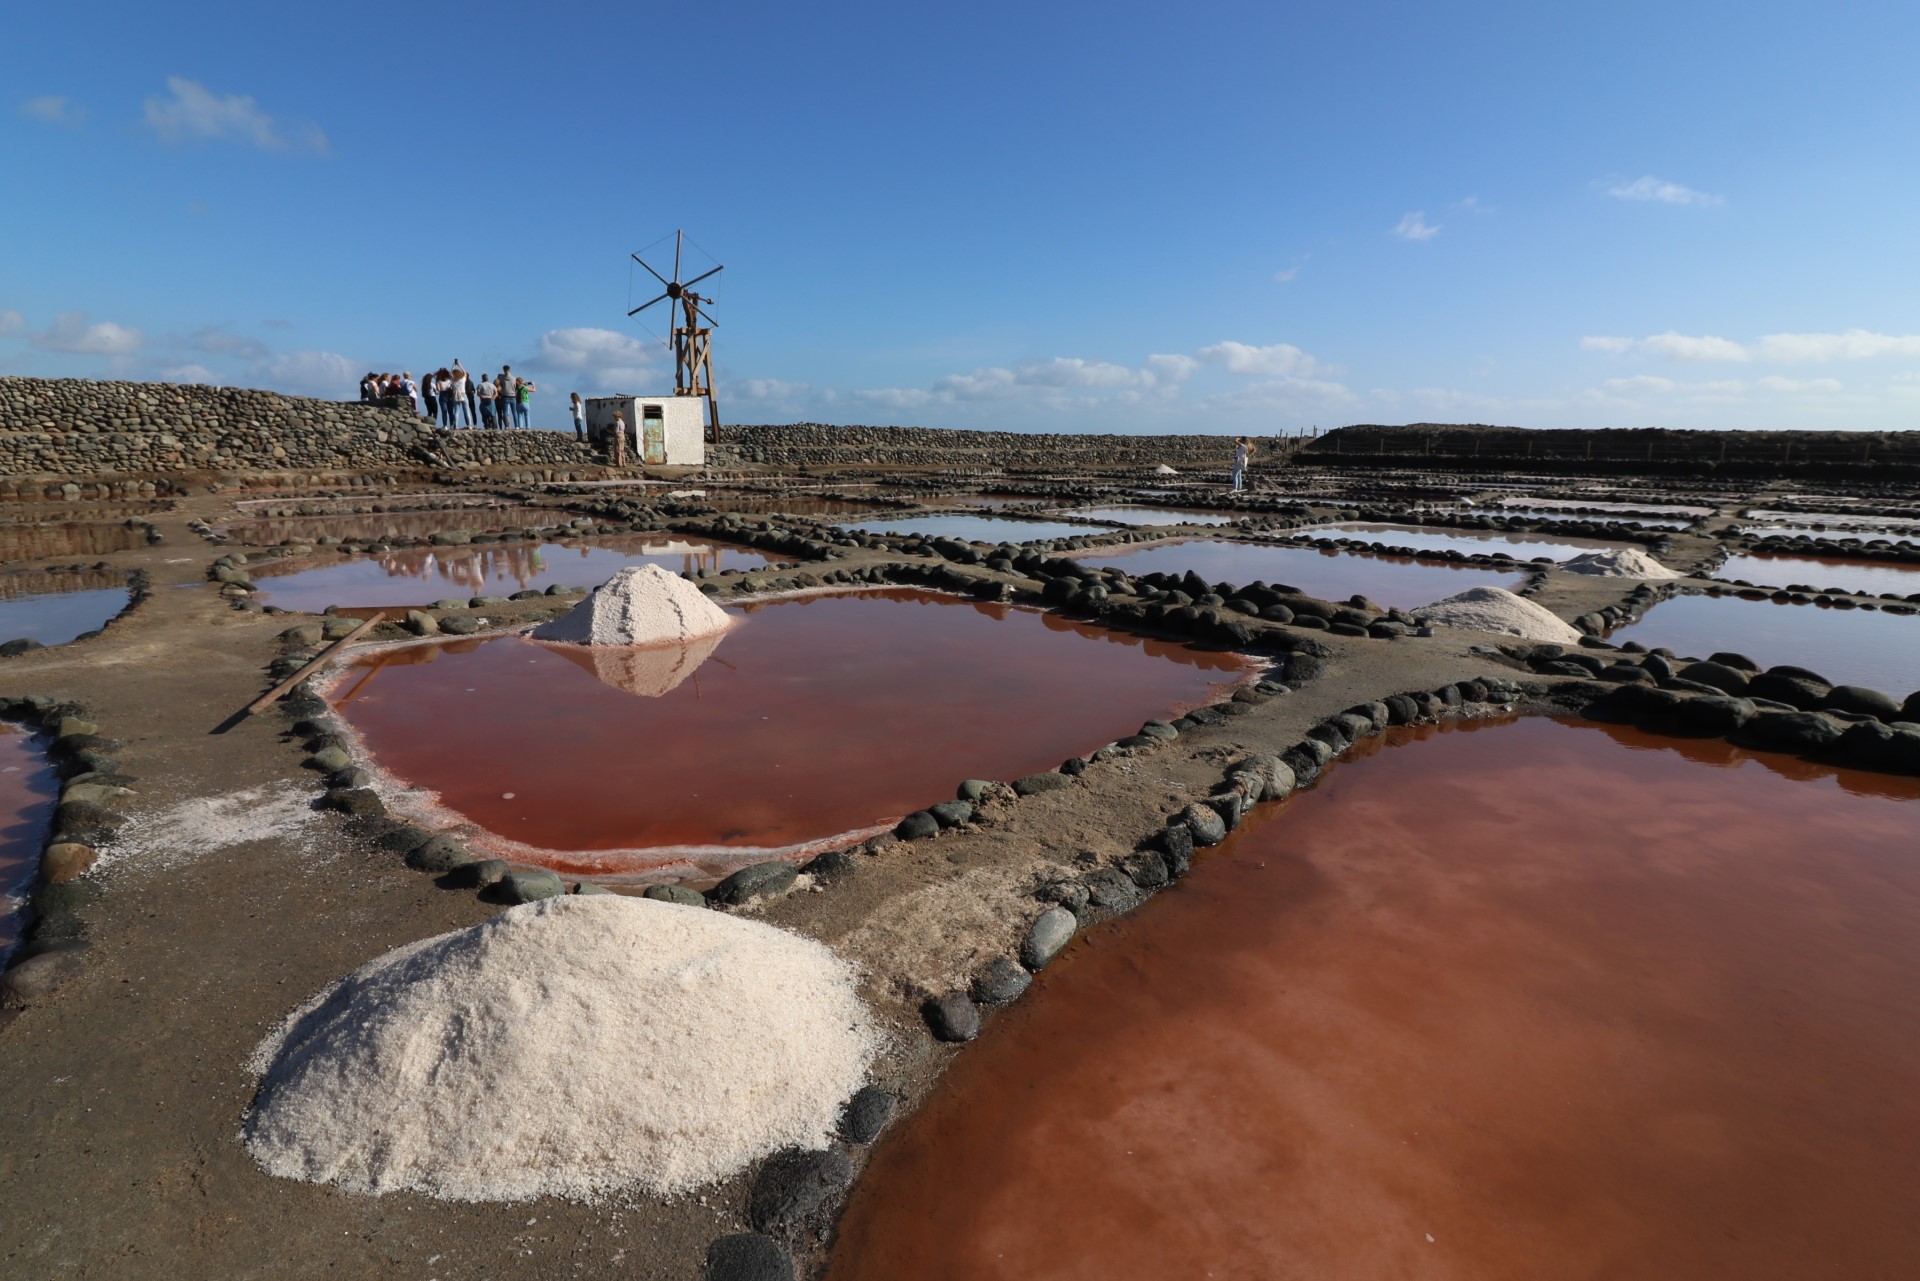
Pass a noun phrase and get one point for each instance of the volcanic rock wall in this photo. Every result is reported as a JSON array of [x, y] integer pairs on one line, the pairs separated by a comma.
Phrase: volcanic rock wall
[[1663, 451], [819, 445], [70, 429]]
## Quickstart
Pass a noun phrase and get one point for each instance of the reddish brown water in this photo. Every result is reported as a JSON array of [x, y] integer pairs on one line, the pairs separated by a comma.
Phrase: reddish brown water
[[28, 790], [420, 575], [1866, 577], [51, 542], [1465, 541], [1330, 575], [1847, 646], [1531, 1002], [813, 717], [380, 526], [55, 608]]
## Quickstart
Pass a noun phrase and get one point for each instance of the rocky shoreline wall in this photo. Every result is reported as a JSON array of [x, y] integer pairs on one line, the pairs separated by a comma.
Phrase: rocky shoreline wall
[[70, 428], [820, 445]]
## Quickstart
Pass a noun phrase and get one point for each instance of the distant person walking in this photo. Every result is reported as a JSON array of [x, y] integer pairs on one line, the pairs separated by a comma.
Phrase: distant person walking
[[1242, 451], [579, 408]]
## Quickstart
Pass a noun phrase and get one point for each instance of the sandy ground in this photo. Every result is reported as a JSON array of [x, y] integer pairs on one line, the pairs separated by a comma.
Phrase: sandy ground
[[124, 1092]]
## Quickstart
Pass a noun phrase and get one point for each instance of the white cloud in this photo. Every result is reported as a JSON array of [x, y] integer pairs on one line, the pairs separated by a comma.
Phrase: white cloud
[[70, 332], [1854, 344], [1800, 386], [1640, 383], [1278, 360], [1285, 394], [190, 111], [1686, 347], [55, 111], [312, 373], [1283, 276], [1660, 192], [600, 359], [1414, 226], [1173, 369], [12, 323], [190, 374], [1472, 205]]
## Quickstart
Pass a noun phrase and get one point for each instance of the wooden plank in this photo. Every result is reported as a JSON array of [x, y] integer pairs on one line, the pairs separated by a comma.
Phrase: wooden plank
[[279, 691]]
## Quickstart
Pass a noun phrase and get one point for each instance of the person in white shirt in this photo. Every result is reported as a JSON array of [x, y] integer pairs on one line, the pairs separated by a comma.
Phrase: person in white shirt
[[486, 402], [412, 388], [463, 406], [579, 417]]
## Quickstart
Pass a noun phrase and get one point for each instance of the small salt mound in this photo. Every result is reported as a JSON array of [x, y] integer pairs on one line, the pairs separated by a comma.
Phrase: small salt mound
[[1494, 609], [644, 605], [1625, 562], [571, 1047], [1164, 470]]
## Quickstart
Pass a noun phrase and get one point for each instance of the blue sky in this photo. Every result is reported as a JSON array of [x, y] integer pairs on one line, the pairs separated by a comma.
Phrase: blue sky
[[1101, 217]]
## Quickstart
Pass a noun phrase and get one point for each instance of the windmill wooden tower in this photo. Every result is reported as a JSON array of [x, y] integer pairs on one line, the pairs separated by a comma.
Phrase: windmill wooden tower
[[692, 332]]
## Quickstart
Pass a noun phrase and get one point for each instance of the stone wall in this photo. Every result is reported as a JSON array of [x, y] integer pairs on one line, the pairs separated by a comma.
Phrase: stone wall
[[819, 445], [69, 429]]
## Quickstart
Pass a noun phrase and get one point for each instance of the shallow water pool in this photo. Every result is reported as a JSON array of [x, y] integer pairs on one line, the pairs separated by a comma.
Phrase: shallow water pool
[[55, 608], [1394, 581], [1520, 546], [1517, 1001], [28, 790], [418, 576], [383, 526], [975, 529], [1847, 646], [815, 716], [1865, 577], [1156, 515]]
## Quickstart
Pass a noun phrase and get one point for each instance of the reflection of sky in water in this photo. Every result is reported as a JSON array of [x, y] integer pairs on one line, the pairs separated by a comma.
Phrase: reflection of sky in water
[[1518, 545], [373, 526], [1156, 515], [1329, 575], [421, 575], [36, 542], [1847, 646], [974, 529], [1867, 576], [27, 793], [55, 608]]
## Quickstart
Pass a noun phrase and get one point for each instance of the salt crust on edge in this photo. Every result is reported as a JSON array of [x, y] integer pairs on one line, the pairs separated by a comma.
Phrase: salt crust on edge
[[572, 1047]]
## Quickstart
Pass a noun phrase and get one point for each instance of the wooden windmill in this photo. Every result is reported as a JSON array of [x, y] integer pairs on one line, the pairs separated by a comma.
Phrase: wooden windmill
[[693, 328]]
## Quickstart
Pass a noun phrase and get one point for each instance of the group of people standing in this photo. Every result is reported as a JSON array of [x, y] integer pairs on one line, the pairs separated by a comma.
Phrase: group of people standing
[[450, 396]]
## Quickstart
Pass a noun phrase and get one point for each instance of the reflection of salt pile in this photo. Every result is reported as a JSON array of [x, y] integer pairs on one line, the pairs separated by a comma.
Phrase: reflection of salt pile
[[648, 672], [1624, 562], [570, 1047], [644, 605], [1494, 609]]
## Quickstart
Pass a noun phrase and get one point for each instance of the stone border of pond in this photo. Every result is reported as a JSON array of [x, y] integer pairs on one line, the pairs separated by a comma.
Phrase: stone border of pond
[[139, 586], [54, 943]]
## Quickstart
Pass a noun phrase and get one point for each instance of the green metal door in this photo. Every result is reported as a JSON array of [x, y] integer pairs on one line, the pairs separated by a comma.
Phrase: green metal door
[[653, 435]]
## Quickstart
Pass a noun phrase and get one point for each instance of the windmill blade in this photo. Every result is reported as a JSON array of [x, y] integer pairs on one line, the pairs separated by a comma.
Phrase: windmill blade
[[702, 276], [650, 271], [643, 306], [677, 237]]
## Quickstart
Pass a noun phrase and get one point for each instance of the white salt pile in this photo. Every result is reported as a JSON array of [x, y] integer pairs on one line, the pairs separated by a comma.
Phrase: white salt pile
[[571, 1047], [1494, 609], [1164, 470], [1624, 562], [644, 605]]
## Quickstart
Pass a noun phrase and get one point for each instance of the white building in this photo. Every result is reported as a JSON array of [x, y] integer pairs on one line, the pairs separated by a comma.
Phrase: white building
[[672, 429]]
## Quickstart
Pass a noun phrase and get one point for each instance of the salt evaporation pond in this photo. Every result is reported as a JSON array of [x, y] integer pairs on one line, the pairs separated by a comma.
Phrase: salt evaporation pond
[[1393, 581], [418, 576], [1520, 1001], [975, 500], [1520, 546], [1559, 506], [1833, 533], [1649, 522], [28, 790], [50, 542], [1847, 646], [1156, 515], [385, 526], [1866, 577], [784, 506], [976, 529], [815, 716], [53, 608]]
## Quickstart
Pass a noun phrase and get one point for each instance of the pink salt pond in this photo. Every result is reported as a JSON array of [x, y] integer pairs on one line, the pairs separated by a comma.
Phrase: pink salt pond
[[417, 576], [1488, 542], [1865, 577], [1394, 581], [814, 717], [1519, 1001]]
